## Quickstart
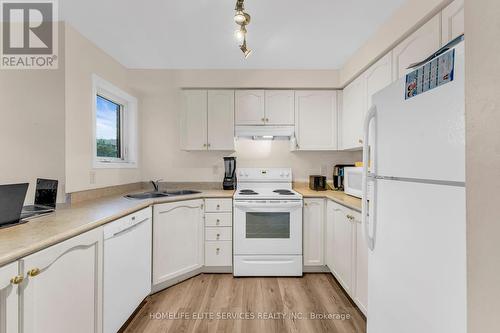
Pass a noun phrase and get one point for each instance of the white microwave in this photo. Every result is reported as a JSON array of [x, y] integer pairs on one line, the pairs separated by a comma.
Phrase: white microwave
[[353, 181]]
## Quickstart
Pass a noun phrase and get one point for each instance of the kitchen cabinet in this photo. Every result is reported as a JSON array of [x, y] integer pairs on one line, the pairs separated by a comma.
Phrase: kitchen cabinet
[[279, 107], [194, 120], [220, 120], [314, 218], [352, 114], [316, 120], [218, 233], [62, 291], [340, 237], [453, 21], [250, 107], [418, 46], [361, 265], [177, 239], [377, 77], [10, 281], [207, 120]]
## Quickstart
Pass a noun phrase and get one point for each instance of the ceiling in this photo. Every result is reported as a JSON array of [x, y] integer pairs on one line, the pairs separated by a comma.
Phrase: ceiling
[[284, 34]]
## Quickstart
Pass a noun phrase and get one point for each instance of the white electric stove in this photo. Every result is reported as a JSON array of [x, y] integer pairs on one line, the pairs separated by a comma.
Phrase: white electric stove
[[267, 224]]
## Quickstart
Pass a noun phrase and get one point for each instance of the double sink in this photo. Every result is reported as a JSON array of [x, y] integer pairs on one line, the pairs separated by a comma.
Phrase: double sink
[[160, 194]]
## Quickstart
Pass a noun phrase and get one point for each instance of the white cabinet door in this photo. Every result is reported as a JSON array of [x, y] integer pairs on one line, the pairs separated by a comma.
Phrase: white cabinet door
[[316, 120], [220, 120], [453, 21], [342, 249], [418, 46], [361, 266], [194, 120], [353, 110], [314, 221], [63, 287], [279, 107], [177, 239], [249, 107], [9, 282], [377, 77]]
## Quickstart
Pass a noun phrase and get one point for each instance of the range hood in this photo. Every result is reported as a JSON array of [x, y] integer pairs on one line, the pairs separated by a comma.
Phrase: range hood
[[266, 132]]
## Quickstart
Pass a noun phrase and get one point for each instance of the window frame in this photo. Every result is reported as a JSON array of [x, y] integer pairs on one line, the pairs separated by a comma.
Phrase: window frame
[[128, 125]]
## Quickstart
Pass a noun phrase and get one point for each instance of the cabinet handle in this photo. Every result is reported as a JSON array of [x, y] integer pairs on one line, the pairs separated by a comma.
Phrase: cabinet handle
[[267, 120], [34, 272], [218, 236], [209, 145], [305, 204], [217, 222], [204, 145], [218, 206], [217, 250], [263, 119], [201, 206], [360, 141], [17, 279]]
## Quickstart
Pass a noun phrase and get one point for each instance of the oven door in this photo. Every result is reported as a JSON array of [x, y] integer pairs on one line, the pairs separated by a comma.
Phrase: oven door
[[267, 227]]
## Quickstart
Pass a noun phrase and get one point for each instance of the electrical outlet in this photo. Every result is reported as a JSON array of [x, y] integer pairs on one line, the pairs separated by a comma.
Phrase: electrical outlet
[[92, 177]]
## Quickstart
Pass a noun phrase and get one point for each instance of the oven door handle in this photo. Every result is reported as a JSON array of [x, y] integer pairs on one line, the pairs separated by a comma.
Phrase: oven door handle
[[268, 207]]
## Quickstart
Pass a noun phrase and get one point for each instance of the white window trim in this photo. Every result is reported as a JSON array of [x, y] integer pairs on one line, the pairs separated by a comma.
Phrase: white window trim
[[129, 125]]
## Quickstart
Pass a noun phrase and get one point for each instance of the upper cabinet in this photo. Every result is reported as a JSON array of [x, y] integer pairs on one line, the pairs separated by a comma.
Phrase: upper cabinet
[[453, 21], [279, 107], [207, 120], [351, 118], [377, 77], [249, 108], [417, 46], [220, 120], [316, 120]]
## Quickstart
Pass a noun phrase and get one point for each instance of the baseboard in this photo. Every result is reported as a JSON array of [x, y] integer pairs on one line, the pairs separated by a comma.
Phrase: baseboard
[[316, 269], [168, 283], [218, 269]]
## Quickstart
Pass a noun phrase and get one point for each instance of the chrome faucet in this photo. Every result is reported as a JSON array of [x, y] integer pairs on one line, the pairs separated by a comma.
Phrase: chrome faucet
[[156, 184]]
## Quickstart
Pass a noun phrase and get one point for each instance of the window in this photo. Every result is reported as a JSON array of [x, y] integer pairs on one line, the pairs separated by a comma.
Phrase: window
[[115, 126]]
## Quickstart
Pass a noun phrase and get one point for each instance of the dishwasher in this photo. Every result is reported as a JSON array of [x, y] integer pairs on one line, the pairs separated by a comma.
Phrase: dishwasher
[[127, 267]]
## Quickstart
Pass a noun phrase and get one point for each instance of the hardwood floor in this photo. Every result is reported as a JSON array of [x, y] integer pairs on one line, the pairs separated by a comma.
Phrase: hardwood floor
[[221, 303]]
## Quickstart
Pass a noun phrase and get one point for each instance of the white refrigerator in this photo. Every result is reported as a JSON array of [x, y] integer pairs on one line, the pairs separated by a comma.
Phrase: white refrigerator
[[414, 208]]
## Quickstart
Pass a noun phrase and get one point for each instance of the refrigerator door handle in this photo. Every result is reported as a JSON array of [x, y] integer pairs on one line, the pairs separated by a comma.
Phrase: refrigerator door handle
[[366, 177]]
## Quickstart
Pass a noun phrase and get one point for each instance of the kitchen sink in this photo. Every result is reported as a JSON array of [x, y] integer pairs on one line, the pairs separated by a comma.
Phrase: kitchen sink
[[182, 192], [157, 194], [147, 195]]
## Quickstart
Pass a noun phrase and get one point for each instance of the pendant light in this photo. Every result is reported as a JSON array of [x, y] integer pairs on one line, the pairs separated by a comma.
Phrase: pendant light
[[242, 19]]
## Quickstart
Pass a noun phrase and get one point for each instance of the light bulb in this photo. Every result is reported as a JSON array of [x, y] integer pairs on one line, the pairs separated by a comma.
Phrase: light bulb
[[239, 18], [239, 35]]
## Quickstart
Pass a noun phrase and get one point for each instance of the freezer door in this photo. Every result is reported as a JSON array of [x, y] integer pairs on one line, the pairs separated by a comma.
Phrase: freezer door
[[422, 137], [417, 270]]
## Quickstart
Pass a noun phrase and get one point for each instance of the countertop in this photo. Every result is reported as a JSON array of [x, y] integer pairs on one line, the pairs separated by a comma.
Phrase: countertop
[[71, 220], [337, 196]]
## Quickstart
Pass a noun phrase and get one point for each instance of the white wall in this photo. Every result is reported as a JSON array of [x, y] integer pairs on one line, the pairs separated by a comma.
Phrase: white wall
[[160, 108], [482, 66], [83, 60], [32, 126]]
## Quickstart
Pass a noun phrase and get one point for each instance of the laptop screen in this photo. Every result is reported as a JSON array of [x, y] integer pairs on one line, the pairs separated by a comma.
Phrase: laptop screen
[[46, 192], [11, 202]]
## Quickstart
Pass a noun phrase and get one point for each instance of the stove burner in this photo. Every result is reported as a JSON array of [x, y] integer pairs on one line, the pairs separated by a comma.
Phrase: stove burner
[[248, 192], [284, 192]]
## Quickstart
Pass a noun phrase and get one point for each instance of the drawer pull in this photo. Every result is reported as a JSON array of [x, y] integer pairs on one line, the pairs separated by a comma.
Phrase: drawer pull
[[217, 222], [218, 206], [33, 272], [17, 279], [218, 251], [218, 236]]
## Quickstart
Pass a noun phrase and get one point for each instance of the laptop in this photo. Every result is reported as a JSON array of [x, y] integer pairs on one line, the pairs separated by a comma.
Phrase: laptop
[[45, 198], [11, 203]]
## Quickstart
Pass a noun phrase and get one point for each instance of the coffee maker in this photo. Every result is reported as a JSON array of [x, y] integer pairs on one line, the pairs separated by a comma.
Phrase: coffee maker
[[338, 176], [229, 182]]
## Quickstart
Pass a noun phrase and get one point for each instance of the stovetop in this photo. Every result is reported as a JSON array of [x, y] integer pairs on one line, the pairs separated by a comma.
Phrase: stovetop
[[266, 193]]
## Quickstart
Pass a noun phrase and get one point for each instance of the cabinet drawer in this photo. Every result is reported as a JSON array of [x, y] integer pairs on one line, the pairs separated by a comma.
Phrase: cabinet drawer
[[219, 253], [218, 219], [218, 234], [218, 205]]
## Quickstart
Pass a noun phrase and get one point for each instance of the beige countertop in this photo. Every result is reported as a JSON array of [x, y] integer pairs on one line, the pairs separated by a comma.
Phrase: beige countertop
[[71, 220], [337, 196]]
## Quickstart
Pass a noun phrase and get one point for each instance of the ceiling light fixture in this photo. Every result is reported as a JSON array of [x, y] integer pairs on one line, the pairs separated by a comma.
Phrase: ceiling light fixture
[[242, 19]]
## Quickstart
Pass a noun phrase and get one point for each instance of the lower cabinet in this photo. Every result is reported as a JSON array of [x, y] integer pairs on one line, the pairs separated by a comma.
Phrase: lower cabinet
[[346, 252], [314, 216], [9, 284], [62, 288], [218, 233], [177, 239]]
